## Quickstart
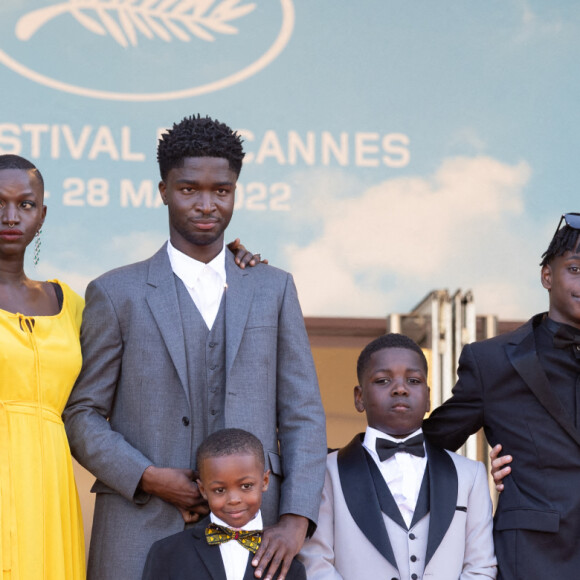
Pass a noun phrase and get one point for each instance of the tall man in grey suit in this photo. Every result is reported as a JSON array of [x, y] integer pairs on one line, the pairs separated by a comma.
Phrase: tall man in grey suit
[[179, 346]]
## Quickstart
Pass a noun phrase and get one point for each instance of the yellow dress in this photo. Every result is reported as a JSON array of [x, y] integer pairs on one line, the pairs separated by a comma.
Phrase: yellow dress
[[42, 533]]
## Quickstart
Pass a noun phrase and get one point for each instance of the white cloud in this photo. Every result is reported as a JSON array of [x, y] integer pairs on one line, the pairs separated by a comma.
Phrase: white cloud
[[469, 137], [385, 249], [533, 27]]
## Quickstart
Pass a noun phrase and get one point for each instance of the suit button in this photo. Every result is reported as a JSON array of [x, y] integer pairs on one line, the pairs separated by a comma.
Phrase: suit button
[[412, 536], [414, 576], [413, 558], [213, 411], [211, 344], [185, 421], [212, 368]]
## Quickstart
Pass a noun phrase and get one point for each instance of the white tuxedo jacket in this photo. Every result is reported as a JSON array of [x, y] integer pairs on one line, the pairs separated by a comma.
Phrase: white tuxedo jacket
[[361, 533]]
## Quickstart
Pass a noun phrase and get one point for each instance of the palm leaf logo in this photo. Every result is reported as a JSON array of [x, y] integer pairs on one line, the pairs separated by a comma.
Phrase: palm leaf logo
[[123, 20]]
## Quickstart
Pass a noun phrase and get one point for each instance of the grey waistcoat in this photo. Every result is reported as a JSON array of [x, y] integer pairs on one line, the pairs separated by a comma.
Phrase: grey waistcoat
[[206, 367]]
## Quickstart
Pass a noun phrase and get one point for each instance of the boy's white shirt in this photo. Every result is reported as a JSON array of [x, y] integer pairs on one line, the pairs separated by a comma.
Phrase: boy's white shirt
[[403, 473], [234, 555]]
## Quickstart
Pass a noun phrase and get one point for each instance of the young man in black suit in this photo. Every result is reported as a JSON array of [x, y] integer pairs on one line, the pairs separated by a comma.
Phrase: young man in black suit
[[523, 388]]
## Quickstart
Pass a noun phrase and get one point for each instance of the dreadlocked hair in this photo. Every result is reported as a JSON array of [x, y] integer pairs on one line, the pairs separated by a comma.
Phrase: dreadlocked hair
[[564, 240], [199, 137]]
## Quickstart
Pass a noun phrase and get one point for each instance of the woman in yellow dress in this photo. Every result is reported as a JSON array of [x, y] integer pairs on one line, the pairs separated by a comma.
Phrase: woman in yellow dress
[[41, 534]]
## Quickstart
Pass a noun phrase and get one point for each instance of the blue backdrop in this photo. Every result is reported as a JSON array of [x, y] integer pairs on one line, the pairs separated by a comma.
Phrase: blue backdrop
[[393, 147]]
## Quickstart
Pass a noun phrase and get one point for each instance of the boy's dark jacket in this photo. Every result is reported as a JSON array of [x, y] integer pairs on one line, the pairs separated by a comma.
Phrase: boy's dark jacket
[[188, 556]]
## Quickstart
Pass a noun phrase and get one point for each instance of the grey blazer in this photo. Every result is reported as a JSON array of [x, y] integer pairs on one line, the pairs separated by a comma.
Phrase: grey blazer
[[128, 406], [356, 539]]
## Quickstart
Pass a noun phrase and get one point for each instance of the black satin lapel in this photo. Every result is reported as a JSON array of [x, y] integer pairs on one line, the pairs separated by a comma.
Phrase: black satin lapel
[[524, 359], [442, 496], [422, 507], [386, 500], [361, 497], [210, 556], [249, 573]]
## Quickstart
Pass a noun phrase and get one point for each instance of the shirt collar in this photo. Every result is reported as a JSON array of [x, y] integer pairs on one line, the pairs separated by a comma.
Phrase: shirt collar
[[253, 524], [189, 269], [554, 326]]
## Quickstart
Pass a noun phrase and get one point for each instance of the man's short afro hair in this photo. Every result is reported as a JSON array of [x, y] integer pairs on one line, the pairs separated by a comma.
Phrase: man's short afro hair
[[199, 137]]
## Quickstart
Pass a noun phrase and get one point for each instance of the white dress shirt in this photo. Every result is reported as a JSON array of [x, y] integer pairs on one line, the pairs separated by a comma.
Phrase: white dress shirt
[[403, 472], [204, 282], [234, 555]]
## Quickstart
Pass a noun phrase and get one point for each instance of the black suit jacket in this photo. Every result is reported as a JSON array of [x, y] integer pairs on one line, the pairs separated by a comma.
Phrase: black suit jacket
[[503, 388], [188, 556]]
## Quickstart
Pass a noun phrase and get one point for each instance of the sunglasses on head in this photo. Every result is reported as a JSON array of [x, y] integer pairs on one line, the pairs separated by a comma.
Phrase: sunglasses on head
[[572, 220]]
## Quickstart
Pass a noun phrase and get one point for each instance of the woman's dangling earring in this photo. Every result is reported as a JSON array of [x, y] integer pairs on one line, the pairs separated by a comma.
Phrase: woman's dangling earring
[[37, 244]]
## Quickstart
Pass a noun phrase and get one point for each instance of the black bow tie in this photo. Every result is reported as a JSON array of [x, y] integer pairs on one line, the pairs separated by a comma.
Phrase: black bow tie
[[565, 337], [387, 448]]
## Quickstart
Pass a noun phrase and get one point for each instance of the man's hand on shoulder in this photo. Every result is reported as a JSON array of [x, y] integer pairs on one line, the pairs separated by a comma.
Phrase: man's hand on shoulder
[[280, 543], [244, 257], [177, 487], [498, 471]]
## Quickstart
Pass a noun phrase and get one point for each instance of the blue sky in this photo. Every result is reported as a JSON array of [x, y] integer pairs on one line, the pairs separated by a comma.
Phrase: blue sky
[[485, 93]]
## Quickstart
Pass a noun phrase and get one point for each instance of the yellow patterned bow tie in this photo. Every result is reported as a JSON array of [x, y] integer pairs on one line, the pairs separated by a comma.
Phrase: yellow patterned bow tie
[[250, 539]]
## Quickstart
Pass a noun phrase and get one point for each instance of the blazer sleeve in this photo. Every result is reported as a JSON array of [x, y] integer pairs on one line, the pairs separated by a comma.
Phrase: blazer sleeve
[[317, 553], [456, 419], [301, 419], [479, 559], [104, 452]]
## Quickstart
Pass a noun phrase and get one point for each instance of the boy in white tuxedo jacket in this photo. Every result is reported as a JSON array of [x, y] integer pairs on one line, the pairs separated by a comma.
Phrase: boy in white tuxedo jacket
[[394, 506]]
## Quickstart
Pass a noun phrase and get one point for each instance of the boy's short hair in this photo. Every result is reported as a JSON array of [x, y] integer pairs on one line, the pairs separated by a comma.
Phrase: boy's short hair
[[10, 161], [230, 442], [392, 340], [564, 240], [199, 137]]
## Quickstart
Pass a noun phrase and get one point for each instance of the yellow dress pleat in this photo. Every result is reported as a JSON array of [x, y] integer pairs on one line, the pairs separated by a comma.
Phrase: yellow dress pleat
[[42, 531]]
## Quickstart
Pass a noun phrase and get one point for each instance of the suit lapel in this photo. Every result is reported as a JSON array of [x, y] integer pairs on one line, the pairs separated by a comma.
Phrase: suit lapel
[[210, 556], [249, 573], [164, 305], [442, 496], [523, 357], [361, 497], [422, 507], [239, 292]]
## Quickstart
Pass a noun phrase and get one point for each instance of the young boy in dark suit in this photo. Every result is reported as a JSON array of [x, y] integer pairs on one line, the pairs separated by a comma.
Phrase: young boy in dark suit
[[393, 505], [232, 478]]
